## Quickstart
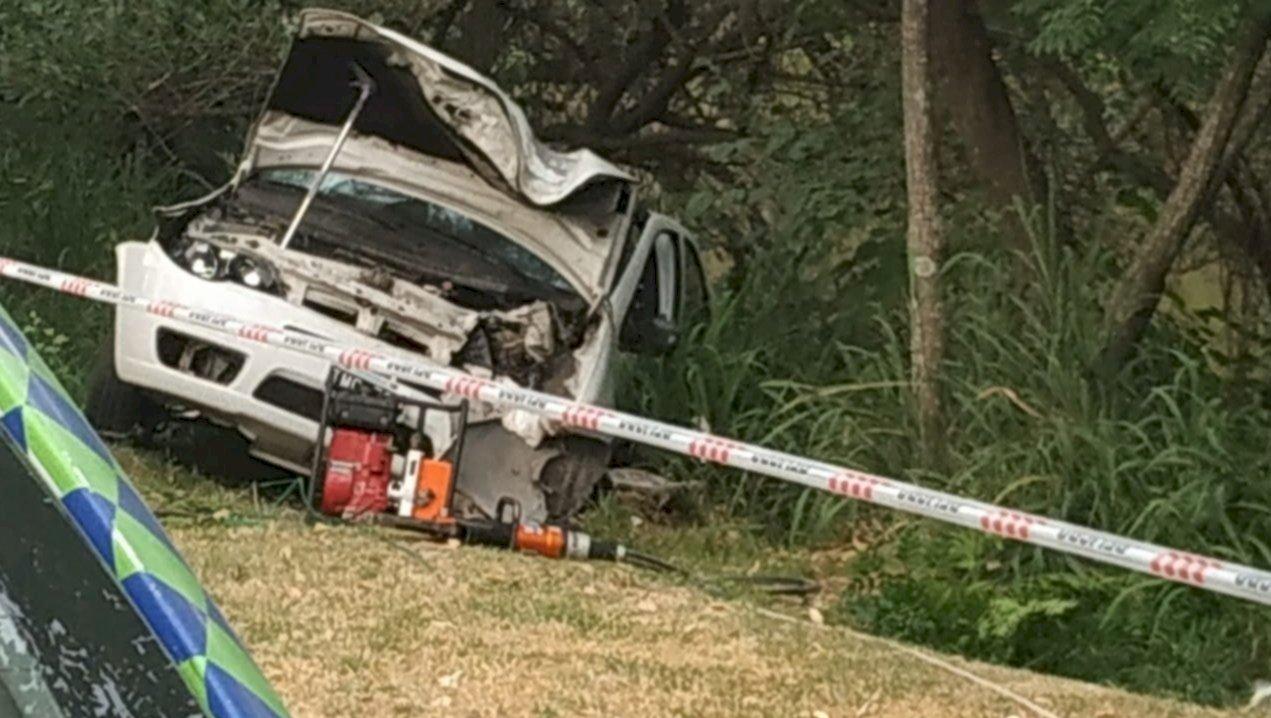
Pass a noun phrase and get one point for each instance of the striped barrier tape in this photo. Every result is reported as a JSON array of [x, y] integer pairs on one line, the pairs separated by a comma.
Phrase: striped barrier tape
[[1199, 571]]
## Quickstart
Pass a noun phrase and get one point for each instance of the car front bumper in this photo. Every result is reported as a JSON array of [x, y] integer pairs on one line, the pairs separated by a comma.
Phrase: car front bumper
[[273, 395], [503, 456]]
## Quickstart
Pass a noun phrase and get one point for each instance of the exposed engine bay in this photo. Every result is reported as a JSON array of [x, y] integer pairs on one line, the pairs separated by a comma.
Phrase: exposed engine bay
[[407, 284]]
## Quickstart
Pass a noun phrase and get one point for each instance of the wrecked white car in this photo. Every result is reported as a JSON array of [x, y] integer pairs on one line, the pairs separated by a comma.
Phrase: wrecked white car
[[391, 197]]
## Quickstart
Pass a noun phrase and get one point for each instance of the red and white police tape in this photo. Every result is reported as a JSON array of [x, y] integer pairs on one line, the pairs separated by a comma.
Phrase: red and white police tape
[[1199, 571]]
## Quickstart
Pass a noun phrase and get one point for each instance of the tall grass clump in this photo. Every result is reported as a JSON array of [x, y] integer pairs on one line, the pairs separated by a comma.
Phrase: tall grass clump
[[1172, 454], [772, 332]]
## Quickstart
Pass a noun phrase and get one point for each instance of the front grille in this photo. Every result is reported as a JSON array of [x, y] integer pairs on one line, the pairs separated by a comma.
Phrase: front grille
[[290, 396], [391, 336], [340, 315], [336, 310], [200, 358]]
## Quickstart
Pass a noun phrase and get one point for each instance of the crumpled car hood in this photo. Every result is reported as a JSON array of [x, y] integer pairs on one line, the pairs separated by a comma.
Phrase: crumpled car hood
[[428, 102]]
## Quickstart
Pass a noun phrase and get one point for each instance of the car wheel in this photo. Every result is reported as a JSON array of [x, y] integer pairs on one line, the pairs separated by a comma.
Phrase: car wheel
[[121, 411], [218, 452], [115, 408], [569, 479]]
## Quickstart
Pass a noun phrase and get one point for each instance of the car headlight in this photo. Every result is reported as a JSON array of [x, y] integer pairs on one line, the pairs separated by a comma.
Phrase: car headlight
[[203, 260], [253, 273], [208, 261]]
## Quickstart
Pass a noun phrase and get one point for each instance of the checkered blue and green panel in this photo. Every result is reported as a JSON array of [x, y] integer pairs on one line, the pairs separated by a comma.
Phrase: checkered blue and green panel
[[37, 413]]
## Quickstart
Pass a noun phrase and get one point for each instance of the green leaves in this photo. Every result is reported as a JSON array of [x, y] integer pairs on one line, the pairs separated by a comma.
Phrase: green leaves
[[1066, 28], [1179, 43]]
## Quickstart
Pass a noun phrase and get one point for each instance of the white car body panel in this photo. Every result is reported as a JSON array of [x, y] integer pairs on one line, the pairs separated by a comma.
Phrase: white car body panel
[[476, 109]]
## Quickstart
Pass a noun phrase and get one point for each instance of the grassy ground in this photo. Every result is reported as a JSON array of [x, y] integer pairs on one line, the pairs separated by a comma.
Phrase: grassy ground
[[350, 621]]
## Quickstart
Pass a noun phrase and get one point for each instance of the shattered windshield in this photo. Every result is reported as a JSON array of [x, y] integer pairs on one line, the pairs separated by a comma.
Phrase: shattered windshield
[[409, 213]]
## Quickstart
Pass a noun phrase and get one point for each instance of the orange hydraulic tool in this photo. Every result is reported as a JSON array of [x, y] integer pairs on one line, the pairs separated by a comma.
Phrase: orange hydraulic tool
[[549, 541], [508, 531]]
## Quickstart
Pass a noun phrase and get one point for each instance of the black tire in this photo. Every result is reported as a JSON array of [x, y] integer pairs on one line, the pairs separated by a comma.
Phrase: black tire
[[569, 480], [122, 411], [115, 408]]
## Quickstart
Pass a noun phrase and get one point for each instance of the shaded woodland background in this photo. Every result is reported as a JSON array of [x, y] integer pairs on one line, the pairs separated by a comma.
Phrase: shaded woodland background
[[1094, 198]]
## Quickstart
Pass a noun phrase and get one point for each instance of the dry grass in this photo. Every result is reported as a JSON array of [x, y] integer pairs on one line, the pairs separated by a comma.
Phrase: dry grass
[[351, 621], [347, 625]]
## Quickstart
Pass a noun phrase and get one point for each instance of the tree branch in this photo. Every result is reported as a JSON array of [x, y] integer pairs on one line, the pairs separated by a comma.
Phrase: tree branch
[[663, 136], [552, 26], [647, 50], [1251, 231], [441, 22], [1135, 297], [1257, 106]]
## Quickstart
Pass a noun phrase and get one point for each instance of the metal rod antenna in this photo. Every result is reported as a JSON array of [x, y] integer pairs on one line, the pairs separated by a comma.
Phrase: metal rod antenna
[[365, 86]]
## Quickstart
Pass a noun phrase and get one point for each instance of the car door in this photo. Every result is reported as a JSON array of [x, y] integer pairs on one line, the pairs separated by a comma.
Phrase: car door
[[660, 290], [694, 289]]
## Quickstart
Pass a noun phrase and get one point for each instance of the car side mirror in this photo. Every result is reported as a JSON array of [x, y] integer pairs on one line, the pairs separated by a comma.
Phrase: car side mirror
[[654, 337]]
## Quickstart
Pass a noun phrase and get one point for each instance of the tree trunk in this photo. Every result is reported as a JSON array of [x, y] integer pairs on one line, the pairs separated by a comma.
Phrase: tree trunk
[[971, 90], [925, 243], [1135, 297], [482, 33]]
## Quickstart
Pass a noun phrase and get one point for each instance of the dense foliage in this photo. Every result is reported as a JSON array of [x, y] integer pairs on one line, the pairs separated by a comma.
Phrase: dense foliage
[[797, 186]]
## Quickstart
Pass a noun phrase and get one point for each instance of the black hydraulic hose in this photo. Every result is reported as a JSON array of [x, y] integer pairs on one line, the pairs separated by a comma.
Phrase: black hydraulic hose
[[775, 585]]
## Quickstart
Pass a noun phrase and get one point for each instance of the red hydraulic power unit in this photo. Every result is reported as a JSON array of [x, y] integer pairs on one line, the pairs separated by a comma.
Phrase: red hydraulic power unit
[[373, 459], [359, 471]]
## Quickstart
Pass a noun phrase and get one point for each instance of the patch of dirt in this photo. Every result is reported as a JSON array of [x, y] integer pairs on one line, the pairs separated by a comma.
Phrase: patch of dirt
[[346, 623]]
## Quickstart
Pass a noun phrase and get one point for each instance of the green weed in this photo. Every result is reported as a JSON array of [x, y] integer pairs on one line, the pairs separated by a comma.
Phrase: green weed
[[1170, 455]]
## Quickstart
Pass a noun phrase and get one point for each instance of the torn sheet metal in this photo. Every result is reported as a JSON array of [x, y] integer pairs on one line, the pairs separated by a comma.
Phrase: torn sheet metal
[[490, 130]]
